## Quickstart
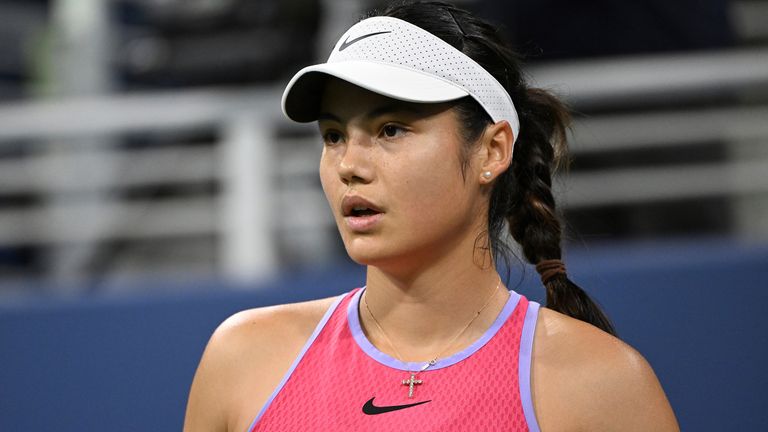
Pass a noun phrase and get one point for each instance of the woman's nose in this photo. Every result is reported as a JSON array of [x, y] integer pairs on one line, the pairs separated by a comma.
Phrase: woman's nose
[[356, 164]]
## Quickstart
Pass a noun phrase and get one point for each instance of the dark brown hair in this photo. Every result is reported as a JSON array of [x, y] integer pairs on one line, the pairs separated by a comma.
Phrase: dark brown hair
[[521, 196]]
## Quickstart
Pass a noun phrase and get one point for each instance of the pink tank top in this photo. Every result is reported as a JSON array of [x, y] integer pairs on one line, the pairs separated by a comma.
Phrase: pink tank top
[[341, 382]]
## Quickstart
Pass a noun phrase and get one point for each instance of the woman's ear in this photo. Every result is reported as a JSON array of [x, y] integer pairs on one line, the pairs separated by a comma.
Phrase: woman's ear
[[495, 153]]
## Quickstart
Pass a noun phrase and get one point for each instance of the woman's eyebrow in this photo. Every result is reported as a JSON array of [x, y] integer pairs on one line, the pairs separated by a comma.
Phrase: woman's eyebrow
[[394, 109], [327, 116], [379, 111]]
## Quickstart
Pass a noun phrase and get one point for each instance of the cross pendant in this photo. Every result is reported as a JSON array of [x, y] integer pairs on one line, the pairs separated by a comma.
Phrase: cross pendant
[[410, 382]]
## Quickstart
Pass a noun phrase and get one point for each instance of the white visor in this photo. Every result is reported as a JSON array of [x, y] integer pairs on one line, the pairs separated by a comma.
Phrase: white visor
[[399, 60]]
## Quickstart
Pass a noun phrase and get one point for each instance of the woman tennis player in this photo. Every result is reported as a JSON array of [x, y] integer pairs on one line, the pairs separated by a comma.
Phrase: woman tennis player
[[433, 147]]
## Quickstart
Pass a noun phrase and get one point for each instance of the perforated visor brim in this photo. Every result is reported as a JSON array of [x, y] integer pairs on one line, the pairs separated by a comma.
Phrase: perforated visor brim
[[302, 97]]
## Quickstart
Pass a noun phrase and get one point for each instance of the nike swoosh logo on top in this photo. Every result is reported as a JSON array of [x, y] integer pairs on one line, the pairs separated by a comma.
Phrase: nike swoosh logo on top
[[344, 45], [371, 409]]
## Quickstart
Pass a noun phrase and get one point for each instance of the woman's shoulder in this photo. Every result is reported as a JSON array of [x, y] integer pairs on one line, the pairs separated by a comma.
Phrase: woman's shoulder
[[271, 334], [273, 322], [265, 330], [568, 342], [244, 361], [585, 374]]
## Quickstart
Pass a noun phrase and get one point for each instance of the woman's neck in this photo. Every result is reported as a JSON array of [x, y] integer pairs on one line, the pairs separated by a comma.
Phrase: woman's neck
[[421, 314]]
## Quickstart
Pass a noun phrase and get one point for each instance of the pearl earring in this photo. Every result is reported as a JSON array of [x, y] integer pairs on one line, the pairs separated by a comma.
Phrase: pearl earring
[[487, 174]]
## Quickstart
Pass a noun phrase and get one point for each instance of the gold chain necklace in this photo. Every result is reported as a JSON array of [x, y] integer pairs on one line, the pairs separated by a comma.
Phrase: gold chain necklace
[[410, 382]]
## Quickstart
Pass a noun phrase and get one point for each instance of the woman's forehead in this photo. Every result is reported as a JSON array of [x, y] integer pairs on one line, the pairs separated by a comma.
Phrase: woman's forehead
[[342, 100]]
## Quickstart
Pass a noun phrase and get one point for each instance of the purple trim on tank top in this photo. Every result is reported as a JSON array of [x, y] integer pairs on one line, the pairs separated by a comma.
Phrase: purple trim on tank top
[[524, 368], [308, 344], [353, 318]]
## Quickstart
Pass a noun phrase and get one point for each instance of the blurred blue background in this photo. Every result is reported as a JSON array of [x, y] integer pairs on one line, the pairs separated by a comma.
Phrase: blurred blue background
[[150, 187]]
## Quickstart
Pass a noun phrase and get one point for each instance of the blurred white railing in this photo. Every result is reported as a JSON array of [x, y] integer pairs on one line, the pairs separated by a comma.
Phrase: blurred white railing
[[679, 77], [261, 204]]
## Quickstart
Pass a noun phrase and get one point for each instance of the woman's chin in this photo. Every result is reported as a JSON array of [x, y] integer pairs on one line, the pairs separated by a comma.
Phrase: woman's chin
[[364, 255], [385, 259], [368, 251]]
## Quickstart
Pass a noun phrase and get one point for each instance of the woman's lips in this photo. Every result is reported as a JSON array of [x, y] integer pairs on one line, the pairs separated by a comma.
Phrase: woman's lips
[[351, 205], [363, 223], [360, 214]]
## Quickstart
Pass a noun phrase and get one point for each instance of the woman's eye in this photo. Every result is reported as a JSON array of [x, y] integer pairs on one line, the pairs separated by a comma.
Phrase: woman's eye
[[391, 131], [332, 137]]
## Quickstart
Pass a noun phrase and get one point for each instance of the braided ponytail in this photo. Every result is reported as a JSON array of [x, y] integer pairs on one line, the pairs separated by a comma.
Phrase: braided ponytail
[[522, 196], [532, 216]]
